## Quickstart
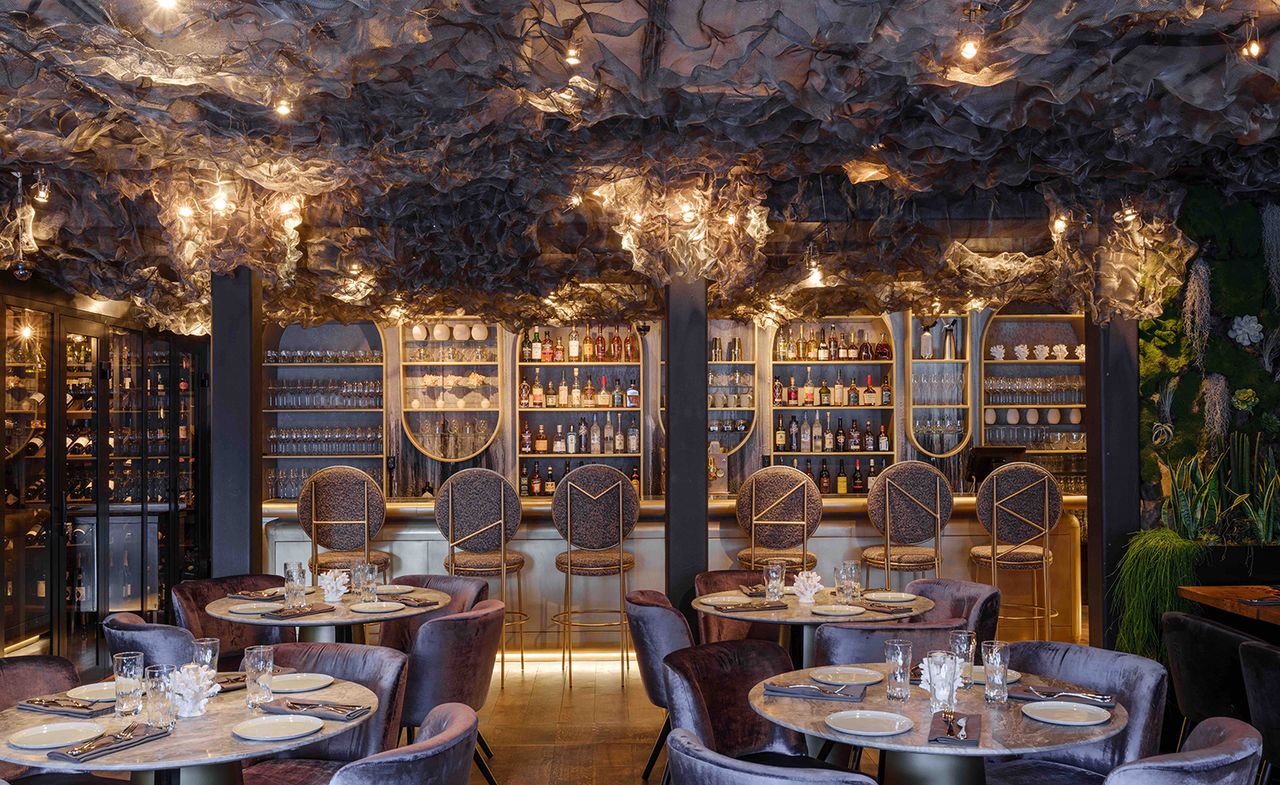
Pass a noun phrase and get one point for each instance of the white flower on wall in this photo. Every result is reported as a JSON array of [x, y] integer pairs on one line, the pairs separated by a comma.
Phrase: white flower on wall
[[1245, 330]]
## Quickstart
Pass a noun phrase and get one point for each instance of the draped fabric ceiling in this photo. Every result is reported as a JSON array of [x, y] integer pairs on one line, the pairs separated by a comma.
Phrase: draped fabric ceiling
[[536, 159]]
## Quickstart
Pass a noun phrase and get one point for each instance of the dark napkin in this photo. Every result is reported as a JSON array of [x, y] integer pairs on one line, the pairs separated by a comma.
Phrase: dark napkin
[[972, 730], [757, 605], [295, 613], [230, 681], [59, 703], [258, 596], [417, 602], [850, 694], [882, 608], [756, 591], [107, 744], [1024, 693], [325, 710]]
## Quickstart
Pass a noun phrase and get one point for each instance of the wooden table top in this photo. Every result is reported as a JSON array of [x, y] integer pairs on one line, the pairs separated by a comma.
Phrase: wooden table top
[[340, 616], [798, 614], [1228, 598]]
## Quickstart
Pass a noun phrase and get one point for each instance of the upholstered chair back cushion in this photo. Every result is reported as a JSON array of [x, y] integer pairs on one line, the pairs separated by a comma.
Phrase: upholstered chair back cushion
[[1014, 494], [441, 756], [341, 493], [693, 763], [30, 677], [846, 644], [1220, 751], [160, 644], [712, 629], [977, 603], [481, 504], [1204, 667], [190, 598], [914, 496], [600, 505], [779, 499], [452, 660], [657, 629], [1261, 668], [463, 593]]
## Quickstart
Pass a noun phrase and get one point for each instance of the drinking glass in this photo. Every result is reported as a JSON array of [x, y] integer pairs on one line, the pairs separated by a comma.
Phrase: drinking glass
[[843, 585], [295, 584], [854, 568], [205, 652], [897, 654], [161, 711], [369, 587], [995, 666], [963, 643], [127, 666], [775, 571], [258, 664], [941, 668]]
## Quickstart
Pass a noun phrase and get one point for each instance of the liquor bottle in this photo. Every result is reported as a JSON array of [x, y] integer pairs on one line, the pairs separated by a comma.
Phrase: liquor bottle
[[603, 398], [883, 352], [595, 436], [837, 393], [571, 440], [633, 395], [635, 478], [854, 394], [535, 350], [840, 437], [35, 444], [780, 437], [872, 471], [824, 349], [575, 345], [602, 352], [588, 346], [633, 436], [608, 434], [589, 395], [562, 394], [779, 396], [806, 435], [620, 438], [858, 486], [549, 484], [537, 397], [816, 438], [806, 393], [793, 435], [824, 478], [824, 394], [828, 436], [540, 440], [575, 392], [526, 349], [868, 439], [558, 444], [842, 480], [833, 349], [557, 355], [869, 395], [949, 340], [808, 469], [884, 440], [793, 393], [630, 352], [615, 346], [551, 396], [584, 435], [886, 391], [617, 400], [842, 353], [865, 350], [812, 351], [535, 482], [524, 480]]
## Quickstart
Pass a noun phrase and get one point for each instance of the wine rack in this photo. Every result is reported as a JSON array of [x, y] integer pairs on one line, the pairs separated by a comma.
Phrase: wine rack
[[937, 380], [450, 376]]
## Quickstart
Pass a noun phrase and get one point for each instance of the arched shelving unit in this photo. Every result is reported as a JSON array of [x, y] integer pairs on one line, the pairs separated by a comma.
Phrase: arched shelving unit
[[937, 379], [450, 386]]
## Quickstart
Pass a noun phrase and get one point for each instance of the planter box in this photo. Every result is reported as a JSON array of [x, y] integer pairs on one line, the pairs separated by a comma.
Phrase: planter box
[[1227, 565]]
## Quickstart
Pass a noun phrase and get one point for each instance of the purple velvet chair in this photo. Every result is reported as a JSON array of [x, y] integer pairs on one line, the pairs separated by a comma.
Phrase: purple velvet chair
[[190, 599], [977, 603], [657, 629], [160, 644], [463, 593], [30, 677], [693, 763], [1260, 665], [713, 629], [1220, 751], [380, 669], [440, 756], [851, 642], [1204, 669], [1138, 683], [452, 662]]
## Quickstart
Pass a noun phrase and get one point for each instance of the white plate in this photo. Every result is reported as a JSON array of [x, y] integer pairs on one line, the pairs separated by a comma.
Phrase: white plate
[[980, 675], [888, 596], [1066, 713], [56, 734], [838, 610], [277, 727], [861, 722], [278, 591], [838, 675], [300, 682], [99, 692], [720, 602], [394, 588], [254, 608], [377, 607]]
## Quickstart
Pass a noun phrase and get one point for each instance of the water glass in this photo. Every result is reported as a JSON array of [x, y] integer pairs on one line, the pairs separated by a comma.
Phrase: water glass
[[897, 654], [205, 652], [161, 711], [295, 584], [258, 664], [369, 586], [127, 667], [963, 643], [775, 571], [940, 670], [995, 666], [854, 568]]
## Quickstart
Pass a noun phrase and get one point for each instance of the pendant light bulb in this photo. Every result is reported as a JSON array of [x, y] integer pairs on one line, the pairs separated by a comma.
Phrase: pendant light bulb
[[41, 192], [185, 211], [283, 107], [572, 56], [731, 219], [166, 5], [972, 34], [1252, 48], [1059, 224], [21, 271]]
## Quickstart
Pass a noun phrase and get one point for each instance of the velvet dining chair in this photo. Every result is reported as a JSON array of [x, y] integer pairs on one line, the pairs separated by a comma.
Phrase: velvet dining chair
[[1204, 669], [160, 644], [190, 598], [694, 763], [657, 629], [378, 668], [1220, 751], [847, 643], [440, 756], [31, 677], [1260, 665], [463, 593], [977, 603], [713, 629]]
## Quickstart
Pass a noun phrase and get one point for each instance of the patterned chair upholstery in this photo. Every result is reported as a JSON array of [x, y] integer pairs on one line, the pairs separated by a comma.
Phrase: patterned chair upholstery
[[440, 756], [712, 629], [909, 503], [342, 509], [160, 644], [657, 629], [779, 509], [190, 598]]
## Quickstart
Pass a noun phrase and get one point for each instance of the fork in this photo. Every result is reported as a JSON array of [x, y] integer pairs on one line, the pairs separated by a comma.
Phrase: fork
[[124, 734], [1090, 696], [949, 717], [824, 690], [340, 707]]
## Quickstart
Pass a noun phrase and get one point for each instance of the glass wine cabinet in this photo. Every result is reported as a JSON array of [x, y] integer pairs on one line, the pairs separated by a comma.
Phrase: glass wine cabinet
[[105, 504]]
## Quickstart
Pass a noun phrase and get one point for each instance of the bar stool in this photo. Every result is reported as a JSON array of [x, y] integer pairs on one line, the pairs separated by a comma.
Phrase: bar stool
[[342, 509], [1018, 504], [779, 508], [909, 503], [594, 508], [478, 512]]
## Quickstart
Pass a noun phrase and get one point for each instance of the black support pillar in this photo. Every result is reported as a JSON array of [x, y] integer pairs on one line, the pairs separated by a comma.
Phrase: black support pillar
[[235, 471], [685, 334], [1113, 463]]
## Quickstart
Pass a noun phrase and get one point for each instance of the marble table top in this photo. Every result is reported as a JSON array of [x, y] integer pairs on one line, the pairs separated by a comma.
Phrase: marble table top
[[195, 741], [1005, 729], [340, 616], [798, 614]]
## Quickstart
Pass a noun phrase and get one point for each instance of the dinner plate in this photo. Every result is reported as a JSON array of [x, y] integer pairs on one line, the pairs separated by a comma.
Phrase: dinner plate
[[254, 608], [838, 610], [394, 588], [300, 682], [1066, 713], [980, 675], [888, 596], [98, 692], [861, 722], [720, 602], [839, 675], [277, 727], [278, 591], [377, 607], [56, 734]]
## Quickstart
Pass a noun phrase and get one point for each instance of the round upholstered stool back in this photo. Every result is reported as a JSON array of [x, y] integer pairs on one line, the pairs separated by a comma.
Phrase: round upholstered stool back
[[783, 504], [474, 507], [1019, 501], [912, 499], [598, 503], [334, 504]]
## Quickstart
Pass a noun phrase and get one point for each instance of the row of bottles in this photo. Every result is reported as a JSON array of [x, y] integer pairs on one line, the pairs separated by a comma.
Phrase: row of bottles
[[804, 436], [583, 439], [576, 396], [568, 345], [536, 484], [455, 437], [725, 351], [810, 394], [821, 344], [842, 482]]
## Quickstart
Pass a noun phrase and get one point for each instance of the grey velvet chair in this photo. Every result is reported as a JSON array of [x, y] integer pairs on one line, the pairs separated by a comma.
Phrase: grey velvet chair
[[463, 593], [380, 669], [693, 763], [190, 599], [160, 644], [851, 642], [1260, 665], [657, 629], [779, 508], [909, 503], [440, 756], [1220, 751], [977, 603], [1204, 669], [30, 677], [1138, 683], [452, 662], [712, 629]]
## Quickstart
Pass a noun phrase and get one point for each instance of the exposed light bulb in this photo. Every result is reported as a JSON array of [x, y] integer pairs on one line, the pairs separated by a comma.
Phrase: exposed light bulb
[[575, 199], [41, 193], [637, 217], [1252, 50], [288, 207], [969, 49], [21, 271], [731, 219], [219, 201], [815, 276], [572, 56], [687, 213], [354, 269], [1128, 215], [972, 34], [26, 332], [166, 5], [1060, 224], [283, 107], [185, 211]]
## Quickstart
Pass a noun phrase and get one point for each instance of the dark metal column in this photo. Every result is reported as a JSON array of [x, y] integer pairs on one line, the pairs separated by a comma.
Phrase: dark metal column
[[235, 468], [685, 335], [1111, 394]]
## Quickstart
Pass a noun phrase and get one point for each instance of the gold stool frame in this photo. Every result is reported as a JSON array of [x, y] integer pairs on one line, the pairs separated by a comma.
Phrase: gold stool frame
[[1036, 612], [934, 512], [801, 485], [316, 523]]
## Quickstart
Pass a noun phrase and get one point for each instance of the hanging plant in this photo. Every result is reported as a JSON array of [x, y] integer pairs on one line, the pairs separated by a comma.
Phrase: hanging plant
[[1217, 407], [1196, 307]]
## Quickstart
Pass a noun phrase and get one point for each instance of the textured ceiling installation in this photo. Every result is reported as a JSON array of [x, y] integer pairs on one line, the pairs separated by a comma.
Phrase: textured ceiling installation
[[533, 159]]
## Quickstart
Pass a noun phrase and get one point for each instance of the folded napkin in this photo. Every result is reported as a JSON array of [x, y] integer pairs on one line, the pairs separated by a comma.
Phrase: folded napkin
[[967, 725], [265, 594], [757, 605], [892, 610], [1024, 693], [325, 710], [107, 744], [822, 692], [60, 704], [294, 613], [753, 591], [417, 602]]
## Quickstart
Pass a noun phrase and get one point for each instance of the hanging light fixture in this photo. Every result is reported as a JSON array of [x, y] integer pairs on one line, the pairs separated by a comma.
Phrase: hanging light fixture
[[41, 191], [573, 55], [1060, 223], [972, 35], [185, 211], [1252, 47], [283, 107], [1127, 213], [166, 5]]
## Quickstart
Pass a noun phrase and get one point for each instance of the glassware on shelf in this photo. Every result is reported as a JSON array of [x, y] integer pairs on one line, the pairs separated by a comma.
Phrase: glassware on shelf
[[323, 442], [324, 394], [323, 356]]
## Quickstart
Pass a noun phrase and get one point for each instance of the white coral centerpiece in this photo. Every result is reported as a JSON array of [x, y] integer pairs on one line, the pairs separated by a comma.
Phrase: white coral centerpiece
[[193, 686], [926, 677], [1060, 351], [1245, 330], [334, 584], [1021, 352], [807, 585], [997, 351]]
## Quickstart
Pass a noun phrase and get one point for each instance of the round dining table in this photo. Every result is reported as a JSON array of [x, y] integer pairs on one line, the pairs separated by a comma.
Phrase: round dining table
[[199, 751], [909, 758], [335, 625]]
